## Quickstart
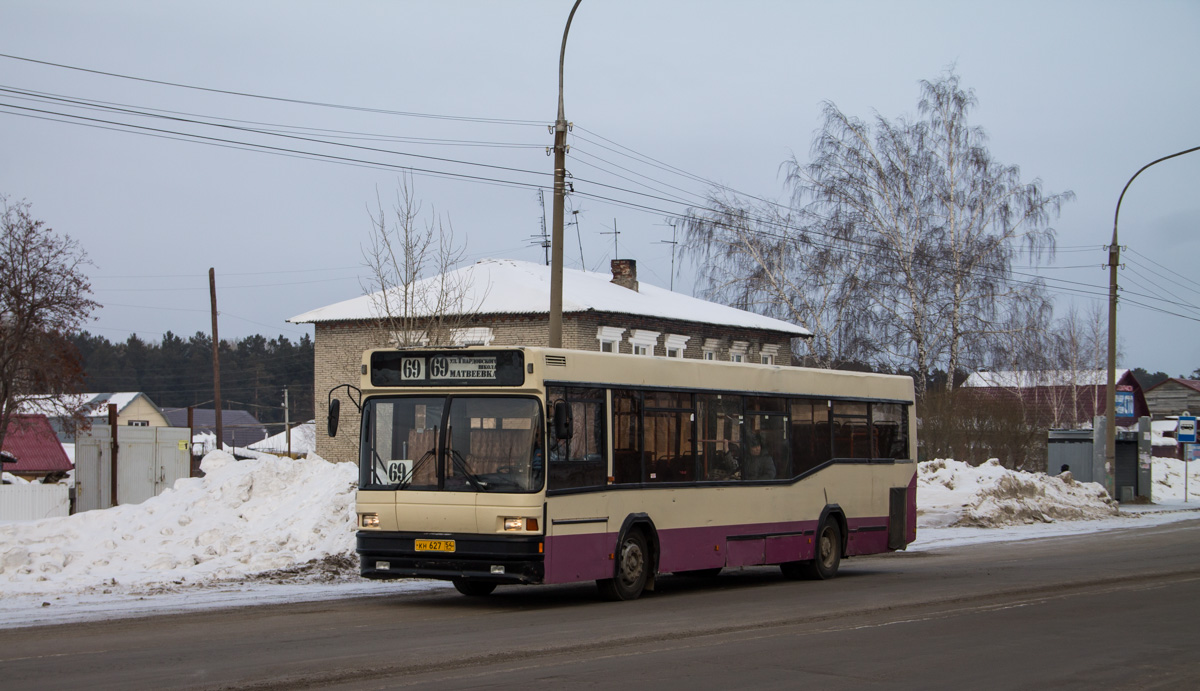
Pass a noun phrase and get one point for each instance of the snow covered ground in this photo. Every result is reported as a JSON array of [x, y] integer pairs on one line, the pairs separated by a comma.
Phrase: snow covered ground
[[271, 530]]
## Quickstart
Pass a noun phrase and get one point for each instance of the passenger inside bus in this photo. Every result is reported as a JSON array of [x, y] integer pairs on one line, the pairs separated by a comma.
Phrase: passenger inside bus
[[757, 465]]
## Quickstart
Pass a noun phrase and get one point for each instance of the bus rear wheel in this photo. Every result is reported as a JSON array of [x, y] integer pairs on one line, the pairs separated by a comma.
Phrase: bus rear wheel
[[473, 588], [632, 569]]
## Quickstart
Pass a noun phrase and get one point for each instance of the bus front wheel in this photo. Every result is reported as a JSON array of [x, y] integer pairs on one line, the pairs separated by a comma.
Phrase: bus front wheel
[[632, 569], [828, 552], [473, 588]]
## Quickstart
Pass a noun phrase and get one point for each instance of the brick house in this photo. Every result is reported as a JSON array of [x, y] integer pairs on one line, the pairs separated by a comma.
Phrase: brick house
[[506, 302]]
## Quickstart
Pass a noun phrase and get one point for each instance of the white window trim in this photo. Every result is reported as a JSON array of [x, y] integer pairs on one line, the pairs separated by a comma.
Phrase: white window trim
[[645, 339], [738, 350], [711, 347], [676, 342], [475, 335], [768, 353], [610, 334]]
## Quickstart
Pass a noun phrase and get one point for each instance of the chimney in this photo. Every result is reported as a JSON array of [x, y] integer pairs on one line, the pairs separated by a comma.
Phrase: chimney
[[624, 273]]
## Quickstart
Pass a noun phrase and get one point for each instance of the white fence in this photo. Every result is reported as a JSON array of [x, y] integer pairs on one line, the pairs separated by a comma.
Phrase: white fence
[[33, 501]]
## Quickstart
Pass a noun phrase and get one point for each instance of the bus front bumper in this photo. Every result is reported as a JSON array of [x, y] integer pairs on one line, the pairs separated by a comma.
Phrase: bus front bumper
[[494, 558]]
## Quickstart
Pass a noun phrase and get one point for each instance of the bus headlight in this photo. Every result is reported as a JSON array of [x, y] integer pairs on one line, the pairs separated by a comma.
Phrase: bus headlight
[[368, 520], [529, 525]]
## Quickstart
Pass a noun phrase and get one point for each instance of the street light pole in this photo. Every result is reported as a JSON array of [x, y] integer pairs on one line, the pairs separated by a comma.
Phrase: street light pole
[[1110, 419], [560, 183]]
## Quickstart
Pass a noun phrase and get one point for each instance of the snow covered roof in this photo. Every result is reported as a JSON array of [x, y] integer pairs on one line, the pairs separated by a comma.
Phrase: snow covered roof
[[96, 403], [508, 286], [304, 440], [1030, 379]]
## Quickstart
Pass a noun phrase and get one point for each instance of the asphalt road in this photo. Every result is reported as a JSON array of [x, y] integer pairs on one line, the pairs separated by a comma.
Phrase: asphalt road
[[1113, 610]]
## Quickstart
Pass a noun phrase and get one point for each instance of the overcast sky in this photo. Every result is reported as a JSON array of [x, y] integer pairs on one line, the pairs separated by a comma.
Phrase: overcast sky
[[1078, 94]]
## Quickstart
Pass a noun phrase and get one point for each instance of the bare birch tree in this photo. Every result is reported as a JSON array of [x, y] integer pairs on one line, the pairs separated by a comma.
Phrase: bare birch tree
[[913, 220], [417, 297]]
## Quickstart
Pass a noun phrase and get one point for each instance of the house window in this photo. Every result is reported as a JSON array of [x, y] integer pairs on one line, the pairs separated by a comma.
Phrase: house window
[[767, 353], [610, 338], [675, 345], [642, 342], [711, 346], [738, 350], [139, 423]]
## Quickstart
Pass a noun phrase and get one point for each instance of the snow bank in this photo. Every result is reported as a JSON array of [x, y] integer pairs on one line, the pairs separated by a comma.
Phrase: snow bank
[[1168, 481], [242, 518], [953, 493]]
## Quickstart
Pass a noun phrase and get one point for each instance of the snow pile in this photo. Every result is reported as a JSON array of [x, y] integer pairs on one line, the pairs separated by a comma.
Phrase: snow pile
[[243, 518], [1168, 481], [953, 493]]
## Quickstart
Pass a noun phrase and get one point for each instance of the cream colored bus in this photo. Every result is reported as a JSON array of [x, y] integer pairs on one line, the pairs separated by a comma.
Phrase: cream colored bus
[[488, 466]]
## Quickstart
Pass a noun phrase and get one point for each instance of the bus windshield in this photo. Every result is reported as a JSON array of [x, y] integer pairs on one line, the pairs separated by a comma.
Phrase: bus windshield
[[452, 444]]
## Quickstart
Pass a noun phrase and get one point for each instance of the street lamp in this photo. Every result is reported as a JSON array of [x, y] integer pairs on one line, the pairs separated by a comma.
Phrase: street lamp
[[1110, 420], [560, 183]]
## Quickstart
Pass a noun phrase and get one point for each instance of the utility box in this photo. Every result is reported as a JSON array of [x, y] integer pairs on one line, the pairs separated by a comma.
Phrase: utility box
[[149, 460], [1082, 450]]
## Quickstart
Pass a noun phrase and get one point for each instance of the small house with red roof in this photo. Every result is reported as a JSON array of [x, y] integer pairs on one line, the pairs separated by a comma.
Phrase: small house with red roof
[[32, 441], [1062, 399]]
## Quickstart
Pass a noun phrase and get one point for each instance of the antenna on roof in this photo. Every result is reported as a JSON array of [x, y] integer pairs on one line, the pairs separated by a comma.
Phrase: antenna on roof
[[575, 222], [614, 232], [543, 239]]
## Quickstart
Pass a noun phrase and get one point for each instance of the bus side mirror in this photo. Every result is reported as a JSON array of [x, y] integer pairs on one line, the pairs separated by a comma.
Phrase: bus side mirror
[[335, 407], [562, 420]]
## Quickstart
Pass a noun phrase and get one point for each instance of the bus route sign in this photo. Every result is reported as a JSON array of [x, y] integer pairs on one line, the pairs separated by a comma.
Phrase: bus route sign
[[1185, 433]]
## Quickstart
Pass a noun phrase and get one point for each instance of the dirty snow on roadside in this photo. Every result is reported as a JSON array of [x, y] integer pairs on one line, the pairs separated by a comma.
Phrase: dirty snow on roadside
[[242, 518], [952, 493], [271, 529]]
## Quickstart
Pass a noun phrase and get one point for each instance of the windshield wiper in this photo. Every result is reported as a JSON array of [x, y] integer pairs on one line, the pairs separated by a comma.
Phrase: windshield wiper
[[403, 484], [460, 464]]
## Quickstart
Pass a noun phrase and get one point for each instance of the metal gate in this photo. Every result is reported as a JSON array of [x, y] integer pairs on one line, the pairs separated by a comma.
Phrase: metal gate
[[149, 460]]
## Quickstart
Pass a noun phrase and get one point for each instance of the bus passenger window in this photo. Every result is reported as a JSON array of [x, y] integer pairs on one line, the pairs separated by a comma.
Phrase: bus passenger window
[[810, 434], [719, 422], [579, 461], [890, 421], [851, 430], [765, 453], [627, 428]]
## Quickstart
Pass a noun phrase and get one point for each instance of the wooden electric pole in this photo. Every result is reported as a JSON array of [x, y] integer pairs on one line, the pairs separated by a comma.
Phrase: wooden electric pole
[[212, 291]]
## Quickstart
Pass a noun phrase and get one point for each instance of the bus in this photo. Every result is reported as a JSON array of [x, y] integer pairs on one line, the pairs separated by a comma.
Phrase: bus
[[524, 465]]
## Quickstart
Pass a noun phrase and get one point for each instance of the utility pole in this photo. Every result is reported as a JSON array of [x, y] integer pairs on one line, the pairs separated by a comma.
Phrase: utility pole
[[212, 291], [1110, 419], [560, 183], [287, 423]]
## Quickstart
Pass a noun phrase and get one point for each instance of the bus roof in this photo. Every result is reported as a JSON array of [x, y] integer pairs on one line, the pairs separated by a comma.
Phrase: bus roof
[[568, 366]]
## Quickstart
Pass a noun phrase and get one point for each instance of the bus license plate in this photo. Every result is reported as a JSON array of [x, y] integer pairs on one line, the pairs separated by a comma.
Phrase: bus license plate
[[434, 545]]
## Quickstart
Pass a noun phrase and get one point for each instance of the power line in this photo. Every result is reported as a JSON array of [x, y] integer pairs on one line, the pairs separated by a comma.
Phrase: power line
[[432, 116]]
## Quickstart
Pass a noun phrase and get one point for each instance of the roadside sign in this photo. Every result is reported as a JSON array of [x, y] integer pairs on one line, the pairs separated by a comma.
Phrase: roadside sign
[[1186, 432]]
